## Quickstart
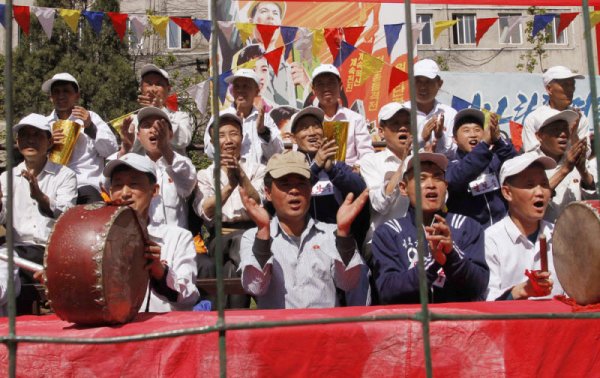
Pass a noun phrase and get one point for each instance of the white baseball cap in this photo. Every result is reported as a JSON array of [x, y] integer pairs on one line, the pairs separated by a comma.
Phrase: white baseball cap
[[152, 111], [36, 120], [519, 163], [224, 116], [309, 110], [152, 68], [243, 72], [138, 162], [438, 159], [559, 72], [553, 115], [325, 68], [387, 111], [63, 76], [427, 68]]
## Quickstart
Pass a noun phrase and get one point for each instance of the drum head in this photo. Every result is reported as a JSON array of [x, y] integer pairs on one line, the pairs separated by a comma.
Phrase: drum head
[[576, 251]]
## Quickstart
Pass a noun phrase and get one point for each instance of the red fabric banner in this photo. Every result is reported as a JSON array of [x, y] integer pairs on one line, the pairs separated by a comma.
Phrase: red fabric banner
[[119, 21], [397, 76], [186, 24], [333, 37], [171, 102], [273, 57], [483, 24], [22, 16], [352, 33], [516, 131], [565, 20], [266, 33]]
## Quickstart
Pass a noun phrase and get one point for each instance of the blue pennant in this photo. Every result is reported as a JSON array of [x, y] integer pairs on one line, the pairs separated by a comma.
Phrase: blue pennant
[[2, 14], [288, 34], [459, 104], [204, 26], [392, 33], [345, 50], [95, 19], [540, 21]]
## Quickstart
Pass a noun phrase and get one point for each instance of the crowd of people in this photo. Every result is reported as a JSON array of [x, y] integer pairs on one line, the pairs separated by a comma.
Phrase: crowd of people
[[301, 228]]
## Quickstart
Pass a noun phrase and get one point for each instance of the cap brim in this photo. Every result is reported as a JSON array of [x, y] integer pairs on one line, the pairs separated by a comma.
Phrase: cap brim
[[437, 159], [289, 170]]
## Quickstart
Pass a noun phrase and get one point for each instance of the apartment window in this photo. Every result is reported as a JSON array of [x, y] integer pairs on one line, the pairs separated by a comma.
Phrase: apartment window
[[513, 36], [177, 38], [425, 38], [551, 31], [464, 31]]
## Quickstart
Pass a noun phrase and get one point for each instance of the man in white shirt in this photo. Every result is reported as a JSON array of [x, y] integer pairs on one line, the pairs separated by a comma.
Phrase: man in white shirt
[[261, 135], [94, 143], [42, 191], [176, 174], [434, 119], [512, 244], [170, 250], [570, 180], [327, 87], [559, 82]]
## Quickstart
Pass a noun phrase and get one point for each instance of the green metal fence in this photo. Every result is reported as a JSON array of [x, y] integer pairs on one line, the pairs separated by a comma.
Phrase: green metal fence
[[424, 316]]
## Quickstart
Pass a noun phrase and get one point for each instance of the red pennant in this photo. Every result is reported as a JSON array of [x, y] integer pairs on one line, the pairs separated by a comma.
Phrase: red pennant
[[333, 37], [186, 24], [22, 17], [397, 76], [119, 21], [266, 33], [273, 57], [171, 102], [352, 33], [483, 24], [516, 132], [565, 20]]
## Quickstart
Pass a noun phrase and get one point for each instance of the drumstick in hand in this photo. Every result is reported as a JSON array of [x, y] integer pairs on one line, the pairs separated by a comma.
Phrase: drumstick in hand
[[543, 254]]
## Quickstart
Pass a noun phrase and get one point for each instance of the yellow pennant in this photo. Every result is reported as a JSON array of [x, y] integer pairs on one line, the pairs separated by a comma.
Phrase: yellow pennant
[[159, 23], [370, 65], [317, 42], [71, 18], [594, 18], [440, 26], [251, 64], [245, 30]]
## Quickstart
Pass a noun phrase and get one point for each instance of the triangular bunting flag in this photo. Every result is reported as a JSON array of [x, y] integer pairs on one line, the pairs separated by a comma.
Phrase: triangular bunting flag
[[204, 26], [251, 64], [594, 18], [186, 24], [273, 57], [370, 65], [95, 19], [2, 14], [333, 37], [513, 22], [171, 102], [71, 18], [483, 24], [22, 16], [159, 23], [352, 33], [288, 34], [417, 28], [266, 33], [392, 33], [516, 135], [223, 86], [345, 50], [317, 41], [45, 17], [397, 76], [459, 104], [119, 21], [199, 93], [440, 26], [138, 24], [565, 21], [245, 30], [540, 21]]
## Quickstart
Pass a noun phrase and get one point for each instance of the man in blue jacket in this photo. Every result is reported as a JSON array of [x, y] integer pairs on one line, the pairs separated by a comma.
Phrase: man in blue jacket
[[473, 186], [455, 257]]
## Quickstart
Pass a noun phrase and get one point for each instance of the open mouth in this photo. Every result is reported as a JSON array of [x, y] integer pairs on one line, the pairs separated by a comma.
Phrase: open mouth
[[431, 196], [473, 142], [539, 205], [403, 136], [562, 142]]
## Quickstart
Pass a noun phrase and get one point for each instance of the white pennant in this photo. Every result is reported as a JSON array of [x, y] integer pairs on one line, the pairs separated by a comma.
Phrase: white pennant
[[513, 22], [417, 28], [200, 94], [139, 24], [46, 18]]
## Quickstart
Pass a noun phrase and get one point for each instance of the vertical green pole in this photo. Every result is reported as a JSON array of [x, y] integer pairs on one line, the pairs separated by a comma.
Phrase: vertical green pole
[[214, 46], [423, 290]]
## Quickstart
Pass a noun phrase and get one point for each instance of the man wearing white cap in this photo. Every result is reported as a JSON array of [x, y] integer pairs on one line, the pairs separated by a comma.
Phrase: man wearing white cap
[[559, 82], [512, 245], [434, 119], [327, 87], [42, 191], [454, 252], [570, 180], [170, 250], [382, 171], [92, 146], [261, 138]]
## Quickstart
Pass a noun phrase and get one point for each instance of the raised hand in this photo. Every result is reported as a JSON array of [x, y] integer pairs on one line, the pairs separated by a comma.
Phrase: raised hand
[[232, 167], [439, 126], [325, 154], [82, 114], [257, 213], [348, 212], [440, 239]]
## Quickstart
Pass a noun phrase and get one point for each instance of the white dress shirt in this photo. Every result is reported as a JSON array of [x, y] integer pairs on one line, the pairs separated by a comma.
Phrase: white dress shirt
[[376, 169], [30, 226], [177, 250], [87, 160], [359, 142], [4, 284], [508, 253], [233, 209], [446, 144], [537, 117], [177, 182], [255, 149]]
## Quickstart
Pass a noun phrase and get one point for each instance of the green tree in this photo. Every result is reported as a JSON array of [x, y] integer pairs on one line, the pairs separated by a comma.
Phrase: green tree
[[535, 56]]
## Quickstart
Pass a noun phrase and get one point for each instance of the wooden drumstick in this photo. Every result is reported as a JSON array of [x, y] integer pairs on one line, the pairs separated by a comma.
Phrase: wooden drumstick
[[543, 254]]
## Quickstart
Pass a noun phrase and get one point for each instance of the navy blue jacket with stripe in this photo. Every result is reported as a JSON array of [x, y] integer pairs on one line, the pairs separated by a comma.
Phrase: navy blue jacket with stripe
[[463, 278]]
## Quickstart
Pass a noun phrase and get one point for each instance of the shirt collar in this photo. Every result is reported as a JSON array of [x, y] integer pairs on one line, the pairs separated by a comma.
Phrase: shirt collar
[[49, 167], [389, 155], [515, 234], [436, 105], [276, 229]]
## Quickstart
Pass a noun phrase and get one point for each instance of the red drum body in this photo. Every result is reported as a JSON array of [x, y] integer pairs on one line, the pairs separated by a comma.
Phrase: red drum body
[[576, 251], [94, 265]]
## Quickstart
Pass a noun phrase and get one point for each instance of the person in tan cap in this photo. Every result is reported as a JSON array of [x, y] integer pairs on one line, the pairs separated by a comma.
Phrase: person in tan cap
[[292, 260]]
